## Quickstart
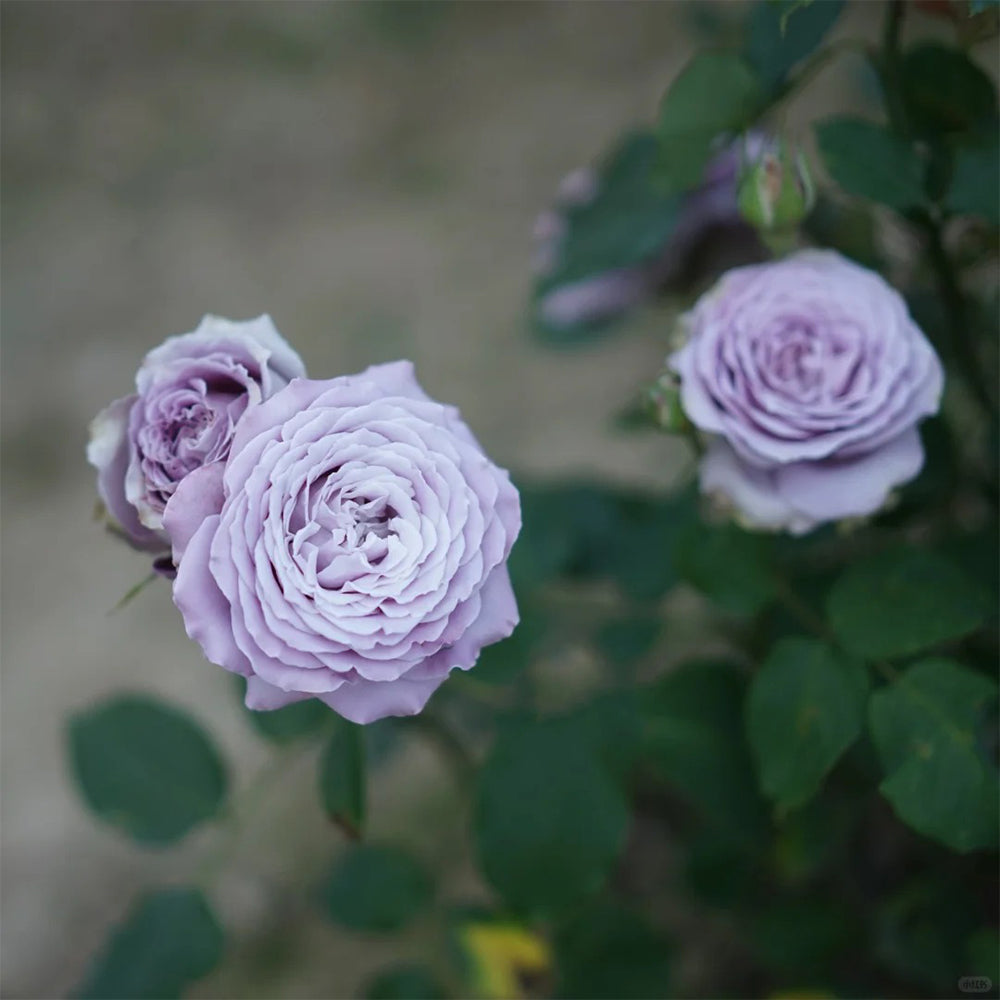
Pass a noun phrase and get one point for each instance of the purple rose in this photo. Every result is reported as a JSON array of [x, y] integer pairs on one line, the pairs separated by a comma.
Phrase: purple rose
[[809, 376], [351, 548], [190, 392]]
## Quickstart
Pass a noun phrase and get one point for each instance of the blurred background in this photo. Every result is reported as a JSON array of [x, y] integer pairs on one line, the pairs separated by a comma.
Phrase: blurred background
[[368, 174]]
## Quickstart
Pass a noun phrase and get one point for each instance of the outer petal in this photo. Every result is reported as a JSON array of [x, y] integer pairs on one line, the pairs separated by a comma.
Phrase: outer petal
[[204, 608], [497, 620], [751, 491], [369, 701], [828, 491], [198, 495], [264, 697], [277, 354], [397, 378], [108, 452]]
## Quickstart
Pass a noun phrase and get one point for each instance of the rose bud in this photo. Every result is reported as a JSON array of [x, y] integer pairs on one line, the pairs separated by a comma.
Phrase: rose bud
[[776, 191]]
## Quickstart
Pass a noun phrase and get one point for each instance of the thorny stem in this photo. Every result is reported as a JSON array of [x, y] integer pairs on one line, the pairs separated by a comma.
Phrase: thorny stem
[[815, 624], [889, 66], [955, 305]]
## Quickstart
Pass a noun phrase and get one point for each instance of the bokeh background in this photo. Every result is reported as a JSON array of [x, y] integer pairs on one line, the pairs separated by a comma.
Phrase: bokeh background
[[368, 174]]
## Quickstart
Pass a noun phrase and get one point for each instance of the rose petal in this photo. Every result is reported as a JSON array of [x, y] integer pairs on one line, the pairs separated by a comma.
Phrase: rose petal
[[828, 491], [204, 608], [368, 701], [199, 495]]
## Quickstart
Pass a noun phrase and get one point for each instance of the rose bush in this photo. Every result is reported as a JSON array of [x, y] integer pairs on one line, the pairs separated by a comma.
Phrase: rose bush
[[809, 376], [351, 548], [190, 393]]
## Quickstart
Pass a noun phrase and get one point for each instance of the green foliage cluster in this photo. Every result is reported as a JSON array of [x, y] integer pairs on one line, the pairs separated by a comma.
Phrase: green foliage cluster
[[822, 790]]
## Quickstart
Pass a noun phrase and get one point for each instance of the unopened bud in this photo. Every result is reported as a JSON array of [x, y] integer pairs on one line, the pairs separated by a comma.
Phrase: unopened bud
[[776, 191]]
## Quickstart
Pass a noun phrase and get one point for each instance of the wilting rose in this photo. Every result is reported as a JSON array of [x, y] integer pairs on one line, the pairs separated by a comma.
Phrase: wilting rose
[[707, 207], [351, 548], [810, 377], [190, 392]]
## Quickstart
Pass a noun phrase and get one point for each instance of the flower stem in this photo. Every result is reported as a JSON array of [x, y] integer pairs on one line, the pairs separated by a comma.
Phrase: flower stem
[[958, 319]]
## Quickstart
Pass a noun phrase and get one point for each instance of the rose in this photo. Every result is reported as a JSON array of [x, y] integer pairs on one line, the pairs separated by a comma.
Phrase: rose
[[190, 393], [352, 547], [708, 207], [809, 376]]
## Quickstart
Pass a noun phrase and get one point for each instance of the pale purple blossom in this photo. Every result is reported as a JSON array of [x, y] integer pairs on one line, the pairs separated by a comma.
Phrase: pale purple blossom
[[190, 393], [809, 378], [351, 548]]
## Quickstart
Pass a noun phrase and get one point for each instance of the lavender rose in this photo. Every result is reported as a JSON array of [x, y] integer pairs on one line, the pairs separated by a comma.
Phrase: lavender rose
[[190, 392], [809, 376], [351, 548]]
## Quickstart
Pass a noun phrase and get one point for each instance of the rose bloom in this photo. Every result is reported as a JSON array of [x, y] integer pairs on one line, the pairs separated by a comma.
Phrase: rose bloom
[[190, 392], [352, 547], [810, 377]]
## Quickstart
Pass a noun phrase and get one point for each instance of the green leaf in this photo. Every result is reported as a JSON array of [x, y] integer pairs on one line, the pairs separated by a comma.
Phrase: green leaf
[[549, 819], [925, 727], [868, 161], [568, 529], [146, 768], [624, 641], [406, 981], [628, 221], [342, 777], [608, 724], [975, 182], [730, 566], [715, 94], [945, 92], [168, 940], [641, 558], [902, 601], [502, 662], [847, 226], [693, 739], [780, 36], [590, 531], [376, 889], [804, 937], [608, 951], [919, 932], [805, 708], [983, 953], [285, 725]]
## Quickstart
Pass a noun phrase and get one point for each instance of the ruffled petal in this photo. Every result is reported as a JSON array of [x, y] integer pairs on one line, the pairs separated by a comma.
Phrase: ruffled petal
[[206, 612], [199, 495], [368, 701]]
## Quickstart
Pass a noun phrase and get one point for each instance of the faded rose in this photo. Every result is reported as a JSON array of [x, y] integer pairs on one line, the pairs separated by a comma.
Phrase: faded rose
[[707, 208], [810, 377], [351, 548], [190, 392]]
